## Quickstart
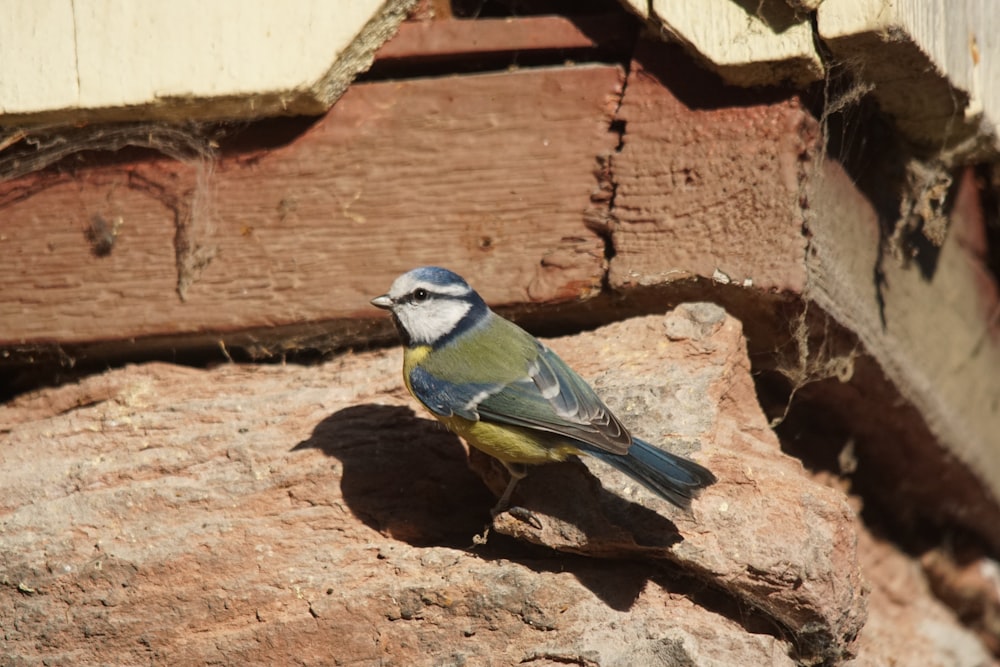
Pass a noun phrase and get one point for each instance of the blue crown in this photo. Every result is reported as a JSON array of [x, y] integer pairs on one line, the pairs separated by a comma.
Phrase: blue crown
[[435, 275]]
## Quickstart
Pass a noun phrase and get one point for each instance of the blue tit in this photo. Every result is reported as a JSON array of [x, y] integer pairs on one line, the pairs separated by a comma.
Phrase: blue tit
[[503, 391]]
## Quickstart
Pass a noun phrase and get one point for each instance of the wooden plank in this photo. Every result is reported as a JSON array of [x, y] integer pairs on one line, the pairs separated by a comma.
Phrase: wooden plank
[[749, 44], [448, 39], [64, 62], [935, 338], [703, 171], [932, 66], [487, 174]]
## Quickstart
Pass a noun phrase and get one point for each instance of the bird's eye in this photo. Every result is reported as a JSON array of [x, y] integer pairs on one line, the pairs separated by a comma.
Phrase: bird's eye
[[420, 294]]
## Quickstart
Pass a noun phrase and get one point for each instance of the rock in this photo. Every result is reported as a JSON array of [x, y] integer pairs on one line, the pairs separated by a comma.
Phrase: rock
[[907, 625], [968, 581], [766, 532], [284, 514]]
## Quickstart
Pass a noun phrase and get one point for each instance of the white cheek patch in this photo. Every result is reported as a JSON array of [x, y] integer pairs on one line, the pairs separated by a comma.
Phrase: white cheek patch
[[428, 325]]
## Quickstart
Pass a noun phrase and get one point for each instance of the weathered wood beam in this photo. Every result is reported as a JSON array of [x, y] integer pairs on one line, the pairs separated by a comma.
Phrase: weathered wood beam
[[489, 174], [419, 43], [734, 191]]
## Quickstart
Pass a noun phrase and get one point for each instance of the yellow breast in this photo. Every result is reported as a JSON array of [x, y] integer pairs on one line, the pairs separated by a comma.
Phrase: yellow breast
[[411, 357], [510, 444]]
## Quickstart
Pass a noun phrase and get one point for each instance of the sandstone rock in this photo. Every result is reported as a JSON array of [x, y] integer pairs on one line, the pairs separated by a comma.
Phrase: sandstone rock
[[905, 619], [306, 515], [765, 533], [968, 581]]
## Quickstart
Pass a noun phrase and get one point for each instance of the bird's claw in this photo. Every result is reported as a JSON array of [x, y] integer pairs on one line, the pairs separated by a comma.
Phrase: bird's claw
[[525, 515]]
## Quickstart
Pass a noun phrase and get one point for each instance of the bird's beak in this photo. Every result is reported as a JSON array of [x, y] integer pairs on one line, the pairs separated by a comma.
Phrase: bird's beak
[[383, 302]]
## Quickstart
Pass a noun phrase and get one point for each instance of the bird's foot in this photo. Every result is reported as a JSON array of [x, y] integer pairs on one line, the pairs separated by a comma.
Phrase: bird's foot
[[525, 515], [519, 513]]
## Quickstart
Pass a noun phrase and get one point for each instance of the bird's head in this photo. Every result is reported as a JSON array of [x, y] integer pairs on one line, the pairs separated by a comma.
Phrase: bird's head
[[431, 305]]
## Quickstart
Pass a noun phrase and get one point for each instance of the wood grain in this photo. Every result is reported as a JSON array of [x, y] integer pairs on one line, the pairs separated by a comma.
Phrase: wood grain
[[486, 174], [706, 183]]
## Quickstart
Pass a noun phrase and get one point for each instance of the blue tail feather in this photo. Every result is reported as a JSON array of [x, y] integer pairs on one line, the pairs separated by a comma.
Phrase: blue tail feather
[[673, 478]]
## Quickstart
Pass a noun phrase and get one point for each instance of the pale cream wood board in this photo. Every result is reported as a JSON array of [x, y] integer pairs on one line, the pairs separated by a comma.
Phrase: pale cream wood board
[[742, 46], [37, 52], [185, 58], [935, 55]]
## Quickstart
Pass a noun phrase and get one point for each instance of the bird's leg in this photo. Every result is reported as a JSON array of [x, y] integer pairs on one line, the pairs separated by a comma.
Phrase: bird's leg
[[517, 473]]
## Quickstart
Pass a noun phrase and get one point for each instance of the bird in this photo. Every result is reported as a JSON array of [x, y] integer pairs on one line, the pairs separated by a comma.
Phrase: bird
[[507, 394]]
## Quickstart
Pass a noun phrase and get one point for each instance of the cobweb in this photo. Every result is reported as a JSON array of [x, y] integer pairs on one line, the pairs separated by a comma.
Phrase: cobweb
[[24, 151]]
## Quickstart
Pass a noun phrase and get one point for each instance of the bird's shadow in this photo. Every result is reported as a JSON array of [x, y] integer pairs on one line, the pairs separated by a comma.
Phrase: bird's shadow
[[403, 476], [410, 479]]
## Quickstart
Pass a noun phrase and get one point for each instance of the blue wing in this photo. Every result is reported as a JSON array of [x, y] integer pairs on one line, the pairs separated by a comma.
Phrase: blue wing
[[555, 399], [445, 398]]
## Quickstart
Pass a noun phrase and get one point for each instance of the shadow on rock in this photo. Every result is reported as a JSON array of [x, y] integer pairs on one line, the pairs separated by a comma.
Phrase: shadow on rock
[[578, 513], [404, 476], [410, 479]]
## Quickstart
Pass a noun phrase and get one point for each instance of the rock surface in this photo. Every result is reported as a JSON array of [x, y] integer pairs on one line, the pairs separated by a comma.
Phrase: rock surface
[[306, 515], [684, 380], [911, 626]]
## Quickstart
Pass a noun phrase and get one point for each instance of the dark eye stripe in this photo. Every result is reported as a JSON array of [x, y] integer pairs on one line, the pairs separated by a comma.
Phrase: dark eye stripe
[[421, 295]]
